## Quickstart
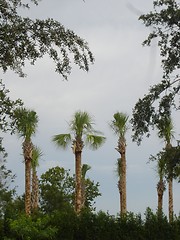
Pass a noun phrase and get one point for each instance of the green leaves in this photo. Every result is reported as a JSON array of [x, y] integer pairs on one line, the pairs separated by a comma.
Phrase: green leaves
[[62, 140], [94, 141], [119, 124], [81, 127], [26, 122], [165, 23], [154, 107], [26, 39]]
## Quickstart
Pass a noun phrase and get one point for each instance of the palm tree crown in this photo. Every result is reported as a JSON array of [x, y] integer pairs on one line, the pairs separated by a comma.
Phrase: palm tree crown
[[26, 122], [81, 131], [119, 124]]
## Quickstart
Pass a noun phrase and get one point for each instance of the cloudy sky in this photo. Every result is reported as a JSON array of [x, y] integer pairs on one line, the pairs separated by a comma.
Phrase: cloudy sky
[[122, 73]]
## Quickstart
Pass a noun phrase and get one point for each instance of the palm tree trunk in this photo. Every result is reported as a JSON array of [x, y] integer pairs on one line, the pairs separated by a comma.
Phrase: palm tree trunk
[[120, 194], [78, 191], [28, 187], [160, 192], [123, 184], [170, 183], [27, 152], [35, 190]]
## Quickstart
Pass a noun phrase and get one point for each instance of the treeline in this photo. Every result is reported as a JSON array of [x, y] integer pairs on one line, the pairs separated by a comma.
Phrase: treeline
[[67, 225], [56, 219]]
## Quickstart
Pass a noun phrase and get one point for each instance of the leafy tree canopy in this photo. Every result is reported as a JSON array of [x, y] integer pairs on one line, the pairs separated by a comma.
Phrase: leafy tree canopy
[[170, 158], [58, 182], [165, 22], [22, 38]]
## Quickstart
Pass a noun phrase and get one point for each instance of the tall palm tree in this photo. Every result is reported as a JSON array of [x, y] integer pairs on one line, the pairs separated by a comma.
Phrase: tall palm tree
[[81, 133], [26, 125], [84, 169], [36, 154], [165, 127], [119, 126]]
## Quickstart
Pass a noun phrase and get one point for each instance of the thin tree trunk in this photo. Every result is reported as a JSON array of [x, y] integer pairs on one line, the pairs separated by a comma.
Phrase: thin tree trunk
[[27, 152], [170, 183], [123, 184], [160, 192], [78, 191], [160, 202], [28, 187], [120, 194], [35, 190]]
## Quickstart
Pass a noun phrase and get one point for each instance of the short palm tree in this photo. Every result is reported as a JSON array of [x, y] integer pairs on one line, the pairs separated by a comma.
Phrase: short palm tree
[[165, 131], [26, 124], [36, 154], [84, 169], [81, 133], [119, 127]]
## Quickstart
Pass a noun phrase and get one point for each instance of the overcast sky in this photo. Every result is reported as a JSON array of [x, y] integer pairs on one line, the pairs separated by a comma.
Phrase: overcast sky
[[122, 73]]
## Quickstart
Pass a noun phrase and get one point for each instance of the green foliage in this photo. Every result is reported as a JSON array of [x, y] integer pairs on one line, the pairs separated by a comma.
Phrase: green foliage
[[67, 225], [62, 140], [169, 162], [58, 182], [119, 124], [26, 122], [164, 21], [25, 39], [6, 195], [32, 228], [147, 114], [91, 192], [66, 222], [81, 128], [7, 107], [164, 96]]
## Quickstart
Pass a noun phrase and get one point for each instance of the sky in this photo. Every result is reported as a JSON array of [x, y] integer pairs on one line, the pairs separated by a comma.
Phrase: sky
[[122, 73]]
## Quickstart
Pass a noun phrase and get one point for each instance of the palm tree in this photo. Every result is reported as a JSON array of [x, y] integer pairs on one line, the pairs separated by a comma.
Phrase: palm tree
[[165, 127], [81, 133], [26, 125], [85, 168], [36, 154], [119, 126]]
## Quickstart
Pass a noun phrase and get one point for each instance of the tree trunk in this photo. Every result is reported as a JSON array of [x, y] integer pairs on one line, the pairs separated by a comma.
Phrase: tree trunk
[[27, 152], [160, 191], [170, 183], [78, 191], [120, 194], [35, 190], [123, 184], [28, 187]]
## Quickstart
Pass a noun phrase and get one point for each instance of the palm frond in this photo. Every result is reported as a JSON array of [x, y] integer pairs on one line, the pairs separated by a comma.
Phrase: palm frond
[[62, 140], [119, 123], [95, 141], [36, 154], [85, 168]]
